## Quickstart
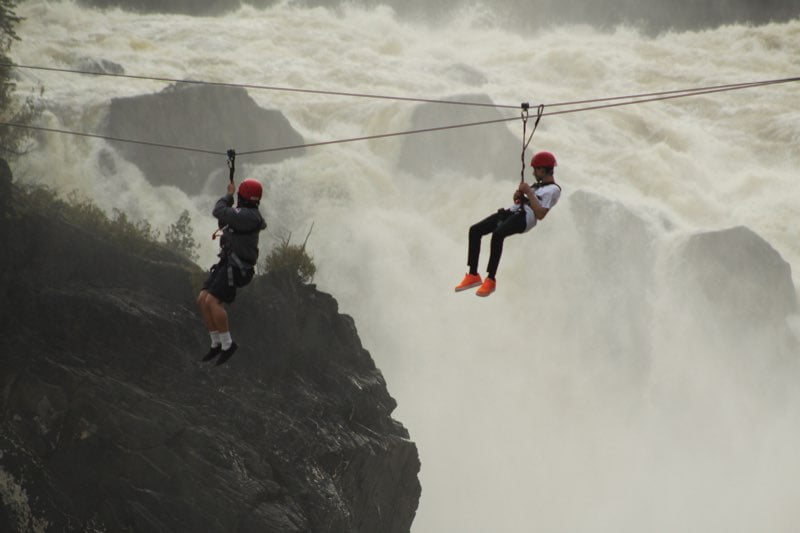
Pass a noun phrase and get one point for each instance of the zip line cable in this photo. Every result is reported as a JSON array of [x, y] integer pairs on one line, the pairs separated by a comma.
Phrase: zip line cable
[[668, 96], [664, 95], [253, 86], [107, 138], [385, 97], [251, 152]]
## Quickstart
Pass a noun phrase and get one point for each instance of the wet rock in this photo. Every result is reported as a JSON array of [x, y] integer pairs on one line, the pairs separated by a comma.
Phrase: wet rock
[[739, 275], [205, 117], [186, 7], [618, 246], [105, 66], [473, 151]]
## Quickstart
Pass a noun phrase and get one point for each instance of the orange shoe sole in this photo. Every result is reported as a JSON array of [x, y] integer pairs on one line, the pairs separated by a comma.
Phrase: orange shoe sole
[[470, 286]]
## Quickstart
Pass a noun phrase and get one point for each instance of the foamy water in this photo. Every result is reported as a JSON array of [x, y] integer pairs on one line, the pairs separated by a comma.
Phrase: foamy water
[[533, 409]]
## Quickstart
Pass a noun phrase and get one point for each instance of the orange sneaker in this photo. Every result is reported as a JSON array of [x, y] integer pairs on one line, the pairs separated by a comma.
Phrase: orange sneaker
[[469, 281], [487, 288]]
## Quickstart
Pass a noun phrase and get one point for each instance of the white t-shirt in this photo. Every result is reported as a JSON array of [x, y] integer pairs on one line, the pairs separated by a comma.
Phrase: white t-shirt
[[547, 195]]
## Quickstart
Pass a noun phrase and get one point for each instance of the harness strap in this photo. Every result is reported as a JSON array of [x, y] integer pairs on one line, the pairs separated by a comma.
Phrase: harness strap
[[539, 185], [235, 260], [231, 162], [524, 114], [218, 233]]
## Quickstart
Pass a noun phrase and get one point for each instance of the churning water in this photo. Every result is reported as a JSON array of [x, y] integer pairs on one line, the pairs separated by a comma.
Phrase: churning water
[[574, 399]]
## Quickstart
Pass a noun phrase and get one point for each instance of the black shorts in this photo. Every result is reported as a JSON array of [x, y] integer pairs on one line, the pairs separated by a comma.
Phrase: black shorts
[[223, 284], [217, 283]]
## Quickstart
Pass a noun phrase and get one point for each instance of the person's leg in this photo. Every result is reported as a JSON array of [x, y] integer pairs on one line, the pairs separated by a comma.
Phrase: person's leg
[[204, 311], [217, 313], [512, 225], [219, 317], [476, 232], [216, 291]]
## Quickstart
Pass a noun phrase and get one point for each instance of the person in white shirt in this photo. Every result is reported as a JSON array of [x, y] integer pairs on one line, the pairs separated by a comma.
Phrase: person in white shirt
[[531, 204]]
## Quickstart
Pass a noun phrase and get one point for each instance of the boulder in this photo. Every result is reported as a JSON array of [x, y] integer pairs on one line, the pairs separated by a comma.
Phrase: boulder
[[473, 151], [618, 242], [618, 246], [739, 275], [205, 117], [104, 66], [185, 7]]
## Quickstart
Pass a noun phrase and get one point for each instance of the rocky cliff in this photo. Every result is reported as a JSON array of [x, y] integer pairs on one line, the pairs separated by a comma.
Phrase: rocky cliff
[[108, 422]]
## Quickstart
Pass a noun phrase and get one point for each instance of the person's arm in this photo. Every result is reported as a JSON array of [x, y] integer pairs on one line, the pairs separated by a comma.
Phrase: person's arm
[[222, 208], [538, 211], [237, 218]]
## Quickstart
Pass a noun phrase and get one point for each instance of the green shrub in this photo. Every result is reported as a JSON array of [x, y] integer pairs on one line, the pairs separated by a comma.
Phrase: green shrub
[[292, 261], [138, 236], [13, 109], [179, 237]]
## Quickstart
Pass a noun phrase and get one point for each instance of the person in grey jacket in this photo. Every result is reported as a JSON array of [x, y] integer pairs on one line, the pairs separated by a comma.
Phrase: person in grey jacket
[[239, 228]]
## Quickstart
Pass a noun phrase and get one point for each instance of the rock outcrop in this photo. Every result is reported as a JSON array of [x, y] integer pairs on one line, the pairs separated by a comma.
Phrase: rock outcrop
[[652, 15], [732, 280], [739, 275], [186, 7], [207, 117], [108, 422], [618, 247], [475, 151]]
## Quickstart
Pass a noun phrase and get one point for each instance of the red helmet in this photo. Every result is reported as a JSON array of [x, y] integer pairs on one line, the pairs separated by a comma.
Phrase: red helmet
[[543, 159], [250, 190]]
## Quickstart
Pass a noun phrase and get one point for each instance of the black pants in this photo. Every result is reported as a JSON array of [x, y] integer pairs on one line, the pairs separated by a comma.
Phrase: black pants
[[500, 225]]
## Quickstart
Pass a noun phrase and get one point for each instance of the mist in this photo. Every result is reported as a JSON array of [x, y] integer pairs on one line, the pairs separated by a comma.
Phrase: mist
[[625, 377]]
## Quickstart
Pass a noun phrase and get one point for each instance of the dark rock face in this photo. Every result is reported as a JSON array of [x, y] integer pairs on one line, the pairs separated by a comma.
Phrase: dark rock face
[[196, 116], [100, 65], [652, 15], [186, 7], [108, 421], [475, 151], [6, 179], [740, 275]]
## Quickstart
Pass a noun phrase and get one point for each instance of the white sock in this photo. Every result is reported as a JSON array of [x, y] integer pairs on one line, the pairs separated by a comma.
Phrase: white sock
[[214, 338], [225, 339]]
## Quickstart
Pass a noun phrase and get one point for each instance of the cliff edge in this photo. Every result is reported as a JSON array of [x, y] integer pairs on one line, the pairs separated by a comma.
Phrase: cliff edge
[[108, 421]]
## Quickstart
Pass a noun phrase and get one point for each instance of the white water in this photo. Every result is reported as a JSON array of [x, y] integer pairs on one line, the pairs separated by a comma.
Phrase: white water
[[527, 413]]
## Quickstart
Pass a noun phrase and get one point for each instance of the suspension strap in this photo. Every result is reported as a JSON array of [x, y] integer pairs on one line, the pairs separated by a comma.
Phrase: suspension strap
[[232, 169], [524, 114], [232, 162]]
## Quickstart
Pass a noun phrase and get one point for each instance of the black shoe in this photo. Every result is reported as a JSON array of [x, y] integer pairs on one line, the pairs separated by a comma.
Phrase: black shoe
[[212, 353], [226, 354]]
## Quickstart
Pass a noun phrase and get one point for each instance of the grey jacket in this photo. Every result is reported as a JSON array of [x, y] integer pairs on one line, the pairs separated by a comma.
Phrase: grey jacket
[[241, 226]]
